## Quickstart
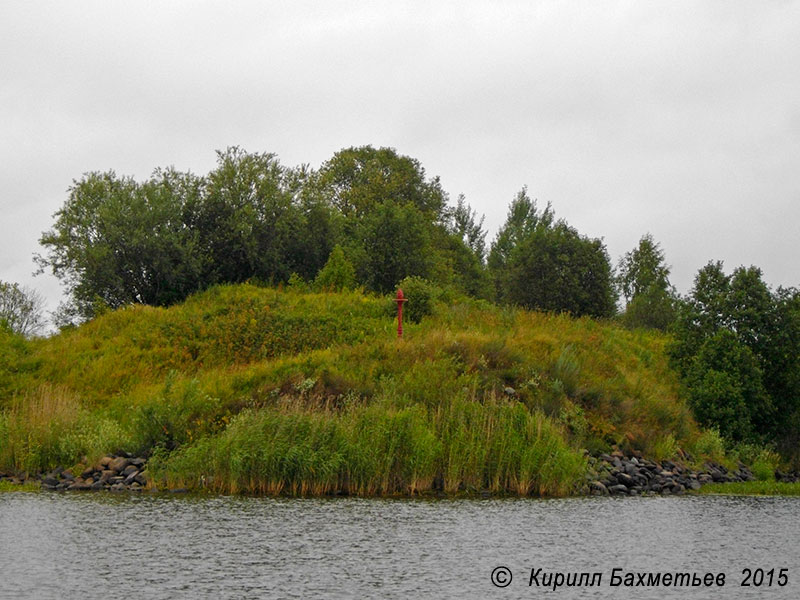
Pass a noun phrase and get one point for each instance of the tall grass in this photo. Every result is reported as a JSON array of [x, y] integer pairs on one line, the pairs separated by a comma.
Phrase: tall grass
[[381, 449], [48, 427]]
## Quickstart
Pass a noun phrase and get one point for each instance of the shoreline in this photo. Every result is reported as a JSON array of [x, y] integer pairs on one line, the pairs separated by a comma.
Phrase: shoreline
[[613, 474]]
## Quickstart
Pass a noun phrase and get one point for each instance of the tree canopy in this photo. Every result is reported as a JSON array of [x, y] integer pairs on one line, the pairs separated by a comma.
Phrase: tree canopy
[[643, 279], [542, 263], [737, 348]]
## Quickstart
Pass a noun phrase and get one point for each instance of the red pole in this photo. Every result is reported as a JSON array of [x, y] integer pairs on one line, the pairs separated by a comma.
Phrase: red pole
[[400, 299]]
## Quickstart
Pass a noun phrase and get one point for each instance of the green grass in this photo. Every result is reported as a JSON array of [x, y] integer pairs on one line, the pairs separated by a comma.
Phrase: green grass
[[266, 390], [28, 486], [752, 488]]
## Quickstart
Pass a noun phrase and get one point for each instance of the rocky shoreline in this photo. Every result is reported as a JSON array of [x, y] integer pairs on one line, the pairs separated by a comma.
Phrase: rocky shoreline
[[616, 474], [113, 472], [613, 474]]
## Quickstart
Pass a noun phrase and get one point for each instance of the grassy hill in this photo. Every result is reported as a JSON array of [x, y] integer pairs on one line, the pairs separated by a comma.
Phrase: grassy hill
[[245, 388]]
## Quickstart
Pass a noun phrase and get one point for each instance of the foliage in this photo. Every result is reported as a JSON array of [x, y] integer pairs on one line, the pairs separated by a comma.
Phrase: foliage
[[396, 244], [337, 274], [253, 223], [21, 309], [356, 180], [544, 264], [643, 279], [736, 348], [725, 387], [116, 241], [465, 224], [420, 295]]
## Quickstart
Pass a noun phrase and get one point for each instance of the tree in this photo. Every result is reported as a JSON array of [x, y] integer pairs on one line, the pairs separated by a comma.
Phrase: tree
[[358, 179], [396, 244], [544, 264], [465, 225], [736, 346], [21, 309], [643, 279], [338, 273], [393, 222], [726, 388], [245, 218], [117, 242]]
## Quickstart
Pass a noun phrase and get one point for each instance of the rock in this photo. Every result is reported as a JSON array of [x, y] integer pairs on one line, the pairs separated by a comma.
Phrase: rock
[[106, 460], [140, 479], [625, 479], [118, 464], [50, 482], [107, 475], [129, 469], [138, 462], [598, 489], [618, 489], [98, 485], [694, 485], [509, 391], [87, 472]]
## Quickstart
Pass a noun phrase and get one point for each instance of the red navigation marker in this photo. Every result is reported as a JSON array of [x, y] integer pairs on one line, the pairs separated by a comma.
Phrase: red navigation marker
[[400, 299]]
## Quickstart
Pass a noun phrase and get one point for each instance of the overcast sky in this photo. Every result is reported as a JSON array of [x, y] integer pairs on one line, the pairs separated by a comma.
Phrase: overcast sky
[[681, 119]]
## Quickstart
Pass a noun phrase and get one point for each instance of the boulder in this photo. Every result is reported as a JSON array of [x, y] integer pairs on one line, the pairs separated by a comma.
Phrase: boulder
[[118, 464], [598, 489]]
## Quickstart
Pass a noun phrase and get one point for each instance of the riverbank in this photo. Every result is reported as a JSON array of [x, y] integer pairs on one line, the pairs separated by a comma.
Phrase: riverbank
[[245, 389], [612, 474]]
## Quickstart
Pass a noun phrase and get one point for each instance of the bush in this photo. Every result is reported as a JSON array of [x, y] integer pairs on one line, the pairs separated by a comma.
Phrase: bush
[[421, 295], [337, 274]]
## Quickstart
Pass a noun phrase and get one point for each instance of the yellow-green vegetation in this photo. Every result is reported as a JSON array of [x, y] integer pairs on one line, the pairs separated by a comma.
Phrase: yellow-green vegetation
[[28, 486], [265, 390], [752, 488]]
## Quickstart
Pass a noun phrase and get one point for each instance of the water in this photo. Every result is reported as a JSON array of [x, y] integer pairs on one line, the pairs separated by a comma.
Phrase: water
[[102, 545]]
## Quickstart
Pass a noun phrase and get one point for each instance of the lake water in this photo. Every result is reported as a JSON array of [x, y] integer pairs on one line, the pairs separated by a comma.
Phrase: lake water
[[97, 545]]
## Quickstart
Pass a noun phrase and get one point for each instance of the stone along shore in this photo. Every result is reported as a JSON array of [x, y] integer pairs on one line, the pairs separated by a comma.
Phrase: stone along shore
[[620, 475], [115, 473]]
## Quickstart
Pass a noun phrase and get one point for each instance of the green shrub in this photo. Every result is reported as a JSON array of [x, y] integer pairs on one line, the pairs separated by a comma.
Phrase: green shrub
[[337, 274], [421, 295]]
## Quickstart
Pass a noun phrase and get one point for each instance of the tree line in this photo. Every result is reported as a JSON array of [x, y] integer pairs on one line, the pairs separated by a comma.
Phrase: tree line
[[117, 241]]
